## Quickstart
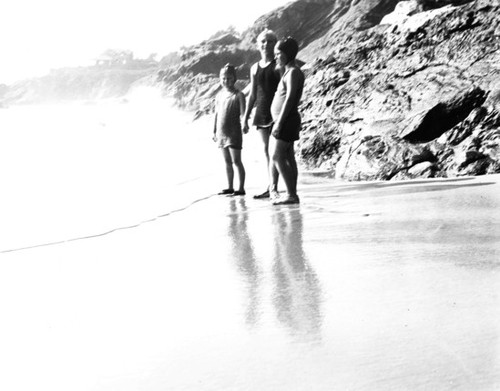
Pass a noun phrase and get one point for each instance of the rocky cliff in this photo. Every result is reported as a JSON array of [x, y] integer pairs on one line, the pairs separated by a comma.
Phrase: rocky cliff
[[394, 90], [415, 95]]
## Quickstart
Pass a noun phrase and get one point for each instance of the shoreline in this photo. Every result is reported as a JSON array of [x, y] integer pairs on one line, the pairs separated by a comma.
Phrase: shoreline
[[389, 284], [307, 180], [364, 285]]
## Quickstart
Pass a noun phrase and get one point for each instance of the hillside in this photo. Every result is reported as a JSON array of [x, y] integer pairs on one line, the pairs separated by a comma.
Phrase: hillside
[[113, 75], [393, 90], [415, 96]]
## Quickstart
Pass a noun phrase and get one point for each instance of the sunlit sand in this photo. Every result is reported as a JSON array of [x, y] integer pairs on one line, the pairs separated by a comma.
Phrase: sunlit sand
[[363, 286]]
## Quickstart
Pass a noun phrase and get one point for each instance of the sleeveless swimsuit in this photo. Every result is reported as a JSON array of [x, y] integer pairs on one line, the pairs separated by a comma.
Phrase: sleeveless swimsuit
[[292, 123], [267, 80]]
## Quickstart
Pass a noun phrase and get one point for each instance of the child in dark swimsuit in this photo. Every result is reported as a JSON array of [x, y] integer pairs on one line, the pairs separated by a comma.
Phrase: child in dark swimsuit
[[264, 78], [229, 109], [287, 121]]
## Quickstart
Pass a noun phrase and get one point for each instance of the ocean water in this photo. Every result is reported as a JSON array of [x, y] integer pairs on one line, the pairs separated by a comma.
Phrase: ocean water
[[120, 269], [74, 170]]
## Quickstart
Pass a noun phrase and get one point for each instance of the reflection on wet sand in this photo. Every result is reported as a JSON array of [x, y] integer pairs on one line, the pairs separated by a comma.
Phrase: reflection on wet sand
[[297, 294], [243, 255]]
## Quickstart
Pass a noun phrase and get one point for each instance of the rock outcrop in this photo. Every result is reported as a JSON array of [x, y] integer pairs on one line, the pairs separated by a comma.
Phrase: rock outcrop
[[408, 98], [394, 90]]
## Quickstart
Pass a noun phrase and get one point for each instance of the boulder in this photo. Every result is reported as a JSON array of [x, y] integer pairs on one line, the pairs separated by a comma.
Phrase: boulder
[[394, 90], [432, 123], [428, 82]]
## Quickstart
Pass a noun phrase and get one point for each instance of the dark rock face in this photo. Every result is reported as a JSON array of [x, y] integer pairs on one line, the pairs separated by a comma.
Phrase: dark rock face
[[413, 98], [443, 116], [305, 20], [394, 90]]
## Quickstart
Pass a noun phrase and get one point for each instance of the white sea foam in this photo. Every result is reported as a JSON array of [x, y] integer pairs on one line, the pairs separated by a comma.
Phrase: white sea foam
[[81, 169], [87, 168]]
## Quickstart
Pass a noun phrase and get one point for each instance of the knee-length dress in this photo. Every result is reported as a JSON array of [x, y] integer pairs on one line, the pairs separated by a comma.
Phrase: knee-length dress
[[228, 124]]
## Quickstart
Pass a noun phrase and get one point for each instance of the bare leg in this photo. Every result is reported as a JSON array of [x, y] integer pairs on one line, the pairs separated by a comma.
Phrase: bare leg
[[282, 154], [236, 159], [229, 167], [293, 165], [265, 134]]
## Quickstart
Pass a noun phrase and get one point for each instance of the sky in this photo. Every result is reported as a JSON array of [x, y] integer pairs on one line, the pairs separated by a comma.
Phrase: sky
[[40, 35]]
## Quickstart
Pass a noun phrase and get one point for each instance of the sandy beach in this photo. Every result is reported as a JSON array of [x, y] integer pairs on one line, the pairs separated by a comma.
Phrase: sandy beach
[[364, 286], [121, 270], [124, 264]]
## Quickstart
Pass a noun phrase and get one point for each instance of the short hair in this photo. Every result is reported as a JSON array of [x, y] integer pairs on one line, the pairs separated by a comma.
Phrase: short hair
[[228, 69], [290, 47], [267, 33]]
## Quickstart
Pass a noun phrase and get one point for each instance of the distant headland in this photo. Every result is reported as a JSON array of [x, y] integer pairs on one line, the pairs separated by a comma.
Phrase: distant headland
[[394, 90]]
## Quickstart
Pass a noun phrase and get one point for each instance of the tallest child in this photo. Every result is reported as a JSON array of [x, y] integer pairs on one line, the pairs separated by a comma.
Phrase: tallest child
[[264, 79], [287, 121]]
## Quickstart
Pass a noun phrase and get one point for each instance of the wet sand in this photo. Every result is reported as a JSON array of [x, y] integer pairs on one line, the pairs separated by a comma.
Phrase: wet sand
[[364, 286]]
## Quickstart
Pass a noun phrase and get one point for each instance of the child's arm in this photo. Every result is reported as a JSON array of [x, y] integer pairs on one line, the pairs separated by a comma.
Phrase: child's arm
[[214, 137], [251, 97], [241, 99]]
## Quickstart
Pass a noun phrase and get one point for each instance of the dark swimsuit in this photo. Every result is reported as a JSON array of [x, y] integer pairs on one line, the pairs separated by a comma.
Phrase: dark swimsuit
[[267, 80], [292, 124]]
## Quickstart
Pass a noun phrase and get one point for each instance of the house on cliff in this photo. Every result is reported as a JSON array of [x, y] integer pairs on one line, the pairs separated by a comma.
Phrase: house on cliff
[[111, 58]]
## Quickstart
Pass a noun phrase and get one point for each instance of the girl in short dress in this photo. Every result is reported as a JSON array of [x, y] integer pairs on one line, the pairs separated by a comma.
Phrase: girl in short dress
[[228, 133]]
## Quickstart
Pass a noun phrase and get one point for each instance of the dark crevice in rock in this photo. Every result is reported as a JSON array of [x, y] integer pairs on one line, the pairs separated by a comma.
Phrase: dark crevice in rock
[[424, 67], [444, 116], [377, 13]]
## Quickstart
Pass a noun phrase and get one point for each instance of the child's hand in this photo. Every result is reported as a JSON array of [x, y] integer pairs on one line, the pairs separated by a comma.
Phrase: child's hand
[[276, 129]]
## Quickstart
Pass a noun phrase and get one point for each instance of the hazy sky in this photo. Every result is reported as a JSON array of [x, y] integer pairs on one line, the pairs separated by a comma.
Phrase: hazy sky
[[39, 35]]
